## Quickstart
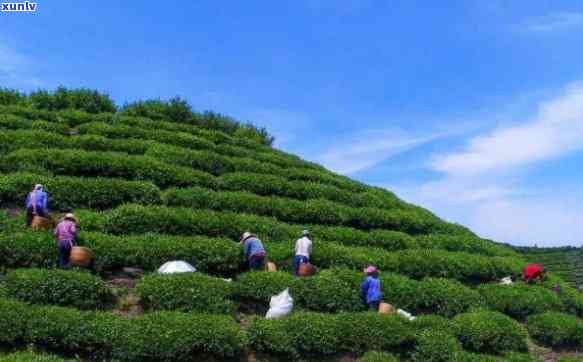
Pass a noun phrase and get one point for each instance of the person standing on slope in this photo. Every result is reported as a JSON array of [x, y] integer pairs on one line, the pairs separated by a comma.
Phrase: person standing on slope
[[371, 288], [37, 204], [303, 251], [254, 251], [66, 235]]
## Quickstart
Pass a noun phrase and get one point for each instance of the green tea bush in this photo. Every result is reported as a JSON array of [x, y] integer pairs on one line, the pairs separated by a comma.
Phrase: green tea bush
[[327, 292], [556, 329], [520, 300], [79, 192], [149, 251], [470, 244], [485, 331], [261, 286], [66, 288], [11, 140], [108, 164], [30, 249], [220, 164], [185, 292], [432, 322], [375, 356], [172, 336], [181, 139], [313, 333], [446, 297], [30, 356], [154, 336], [436, 346]]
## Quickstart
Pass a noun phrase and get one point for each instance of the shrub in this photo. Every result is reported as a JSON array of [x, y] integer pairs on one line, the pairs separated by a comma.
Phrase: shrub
[[30, 356], [181, 139], [87, 100], [375, 356], [261, 286], [327, 292], [185, 292], [520, 300], [436, 346], [313, 333], [484, 331], [67, 288], [446, 297], [107, 164], [433, 322], [79, 192], [556, 329], [30, 249], [11, 97], [155, 336], [11, 140], [149, 252], [470, 244]]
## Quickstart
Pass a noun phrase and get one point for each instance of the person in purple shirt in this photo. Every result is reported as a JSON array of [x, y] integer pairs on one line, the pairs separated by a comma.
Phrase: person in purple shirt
[[254, 251], [371, 288], [37, 203], [66, 235]]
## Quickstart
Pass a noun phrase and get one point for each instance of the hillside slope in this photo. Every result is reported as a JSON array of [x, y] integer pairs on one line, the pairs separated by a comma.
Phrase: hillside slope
[[154, 182]]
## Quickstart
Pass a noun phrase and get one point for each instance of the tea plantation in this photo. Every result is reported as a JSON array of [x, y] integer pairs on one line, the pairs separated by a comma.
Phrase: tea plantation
[[154, 181]]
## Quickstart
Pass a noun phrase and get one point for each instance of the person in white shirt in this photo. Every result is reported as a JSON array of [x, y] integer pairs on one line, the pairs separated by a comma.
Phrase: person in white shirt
[[303, 251]]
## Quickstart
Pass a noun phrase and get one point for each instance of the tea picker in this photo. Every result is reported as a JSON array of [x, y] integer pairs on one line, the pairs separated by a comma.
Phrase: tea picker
[[254, 251], [371, 288], [303, 250], [532, 272], [66, 235], [37, 210]]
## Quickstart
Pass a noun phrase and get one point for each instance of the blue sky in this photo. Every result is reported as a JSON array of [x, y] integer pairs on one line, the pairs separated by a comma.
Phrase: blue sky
[[473, 109]]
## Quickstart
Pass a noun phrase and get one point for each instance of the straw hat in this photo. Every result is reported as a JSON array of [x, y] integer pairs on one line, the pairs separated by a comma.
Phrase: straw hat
[[70, 216], [305, 233], [38, 187]]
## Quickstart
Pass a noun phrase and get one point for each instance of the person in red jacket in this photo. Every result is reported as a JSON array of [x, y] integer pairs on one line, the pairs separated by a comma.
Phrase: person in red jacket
[[532, 272]]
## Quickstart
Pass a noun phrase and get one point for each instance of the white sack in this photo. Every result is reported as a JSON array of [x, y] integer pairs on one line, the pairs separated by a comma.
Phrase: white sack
[[176, 266], [405, 314], [280, 305], [506, 281]]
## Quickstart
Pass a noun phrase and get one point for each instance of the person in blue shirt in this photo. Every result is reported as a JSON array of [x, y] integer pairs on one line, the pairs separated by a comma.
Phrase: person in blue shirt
[[254, 251], [371, 288], [37, 203]]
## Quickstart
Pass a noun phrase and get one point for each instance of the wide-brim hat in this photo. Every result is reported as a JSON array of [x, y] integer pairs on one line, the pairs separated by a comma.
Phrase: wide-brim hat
[[71, 217]]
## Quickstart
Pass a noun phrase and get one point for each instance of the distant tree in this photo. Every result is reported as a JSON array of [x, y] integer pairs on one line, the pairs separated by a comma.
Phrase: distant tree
[[82, 99], [11, 97]]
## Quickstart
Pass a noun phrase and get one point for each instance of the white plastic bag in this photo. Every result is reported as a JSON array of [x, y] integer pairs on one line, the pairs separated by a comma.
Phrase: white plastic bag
[[177, 266], [405, 314], [280, 305], [506, 281]]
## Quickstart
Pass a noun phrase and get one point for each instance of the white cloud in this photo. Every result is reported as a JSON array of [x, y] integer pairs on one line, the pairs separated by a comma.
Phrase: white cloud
[[553, 22], [15, 69], [485, 186], [556, 130], [369, 148]]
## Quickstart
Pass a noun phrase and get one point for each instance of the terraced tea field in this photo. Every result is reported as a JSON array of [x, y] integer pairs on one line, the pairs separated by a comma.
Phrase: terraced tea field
[[154, 182], [564, 262]]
